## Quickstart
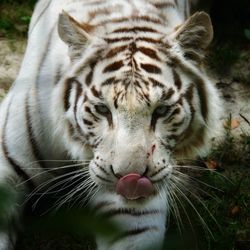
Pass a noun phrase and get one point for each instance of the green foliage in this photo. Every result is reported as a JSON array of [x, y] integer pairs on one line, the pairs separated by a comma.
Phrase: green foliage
[[75, 221], [15, 17], [247, 33], [222, 56], [7, 200], [232, 150]]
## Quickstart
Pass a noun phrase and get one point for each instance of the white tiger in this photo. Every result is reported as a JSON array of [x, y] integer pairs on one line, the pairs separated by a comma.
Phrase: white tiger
[[119, 87]]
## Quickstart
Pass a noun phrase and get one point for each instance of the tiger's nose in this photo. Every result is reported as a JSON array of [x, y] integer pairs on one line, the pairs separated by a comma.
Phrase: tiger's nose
[[134, 186]]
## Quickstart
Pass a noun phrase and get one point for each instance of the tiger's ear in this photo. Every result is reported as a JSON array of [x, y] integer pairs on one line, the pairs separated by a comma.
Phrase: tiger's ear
[[195, 34], [73, 33]]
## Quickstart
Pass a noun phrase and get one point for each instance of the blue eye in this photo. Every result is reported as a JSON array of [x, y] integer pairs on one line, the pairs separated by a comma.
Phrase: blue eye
[[161, 110], [102, 109]]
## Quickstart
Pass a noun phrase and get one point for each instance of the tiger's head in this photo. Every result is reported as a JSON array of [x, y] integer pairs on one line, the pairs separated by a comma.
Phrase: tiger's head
[[136, 99]]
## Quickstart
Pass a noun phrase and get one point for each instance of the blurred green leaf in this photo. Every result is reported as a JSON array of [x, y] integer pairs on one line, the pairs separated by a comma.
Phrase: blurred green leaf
[[7, 201], [75, 221], [247, 33], [25, 19]]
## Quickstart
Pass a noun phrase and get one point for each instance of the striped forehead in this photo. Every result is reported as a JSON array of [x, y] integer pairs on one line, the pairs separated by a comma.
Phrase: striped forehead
[[135, 73], [140, 73], [138, 95], [139, 91], [132, 67]]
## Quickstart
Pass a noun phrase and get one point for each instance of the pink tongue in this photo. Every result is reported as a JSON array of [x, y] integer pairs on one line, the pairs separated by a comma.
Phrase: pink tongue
[[133, 186]]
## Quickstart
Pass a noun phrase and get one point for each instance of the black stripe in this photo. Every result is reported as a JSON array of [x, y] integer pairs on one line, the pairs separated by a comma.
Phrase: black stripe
[[31, 136], [149, 52], [134, 232], [114, 51], [157, 172], [98, 2], [96, 93], [149, 40], [109, 81], [189, 94], [131, 212], [113, 66], [103, 179], [200, 85], [135, 29], [45, 52], [79, 92], [166, 146], [102, 204], [133, 18], [147, 19], [156, 83], [164, 176], [40, 15], [90, 62], [178, 124], [185, 10], [165, 5], [177, 80], [88, 110], [93, 14], [203, 98], [87, 122], [100, 177], [89, 76], [101, 168], [189, 132], [176, 111], [150, 68], [15, 165], [68, 87], [120, 39], [166, 95], [58, 74]]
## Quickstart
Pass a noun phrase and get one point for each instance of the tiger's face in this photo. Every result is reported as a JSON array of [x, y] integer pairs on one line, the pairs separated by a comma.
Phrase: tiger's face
[[134, 104], [134, 121]]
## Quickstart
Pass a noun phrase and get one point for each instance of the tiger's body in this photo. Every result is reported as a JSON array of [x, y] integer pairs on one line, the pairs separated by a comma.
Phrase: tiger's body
[[119, 86]]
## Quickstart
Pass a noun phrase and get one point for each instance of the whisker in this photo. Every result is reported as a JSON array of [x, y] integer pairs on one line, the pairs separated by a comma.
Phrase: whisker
[[201, 202], [54, 192], [175, 210], [69, 195], [48, 182], [188, 178], [48, 170], [194, 208]]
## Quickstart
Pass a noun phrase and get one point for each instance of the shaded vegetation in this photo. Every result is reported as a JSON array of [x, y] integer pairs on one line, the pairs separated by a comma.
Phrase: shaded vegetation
[[15, 16], [231, 34]]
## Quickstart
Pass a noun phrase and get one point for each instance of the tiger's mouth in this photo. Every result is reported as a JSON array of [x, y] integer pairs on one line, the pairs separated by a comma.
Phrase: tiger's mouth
[[134, 186]]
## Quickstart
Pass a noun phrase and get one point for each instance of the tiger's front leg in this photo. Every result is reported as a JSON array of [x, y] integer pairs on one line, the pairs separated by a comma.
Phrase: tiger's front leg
[[141, 223]]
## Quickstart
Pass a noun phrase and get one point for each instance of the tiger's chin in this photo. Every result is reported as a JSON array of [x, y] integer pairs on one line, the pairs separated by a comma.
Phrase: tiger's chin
[[140, 219]]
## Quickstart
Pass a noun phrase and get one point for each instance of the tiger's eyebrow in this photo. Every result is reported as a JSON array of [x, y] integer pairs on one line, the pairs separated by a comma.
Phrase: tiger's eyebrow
[[108, 81], [96, 93], [166, 95]]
